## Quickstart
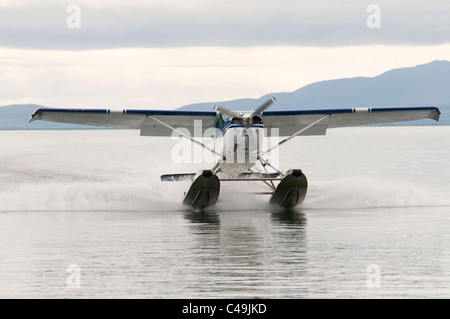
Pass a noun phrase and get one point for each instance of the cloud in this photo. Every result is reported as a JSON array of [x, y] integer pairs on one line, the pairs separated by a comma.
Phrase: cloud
[[164, 54], [176, 23], [167, 78]]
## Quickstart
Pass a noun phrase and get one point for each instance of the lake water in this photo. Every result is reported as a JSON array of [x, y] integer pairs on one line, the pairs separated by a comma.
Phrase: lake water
[[84, 215]]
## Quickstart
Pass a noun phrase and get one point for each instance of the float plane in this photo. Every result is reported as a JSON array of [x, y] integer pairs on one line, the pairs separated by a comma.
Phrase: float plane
[[242, 134]]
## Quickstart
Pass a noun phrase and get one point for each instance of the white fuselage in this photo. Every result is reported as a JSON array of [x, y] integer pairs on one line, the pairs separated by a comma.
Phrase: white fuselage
[[241, 147]]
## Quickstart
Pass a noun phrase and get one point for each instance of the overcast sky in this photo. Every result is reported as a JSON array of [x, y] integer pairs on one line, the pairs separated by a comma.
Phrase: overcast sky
[[168, 53]]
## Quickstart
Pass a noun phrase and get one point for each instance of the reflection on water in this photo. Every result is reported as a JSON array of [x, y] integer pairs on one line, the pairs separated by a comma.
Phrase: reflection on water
[[226, 254], [202, 217], [280, 216], [250, 253], [289, 217]]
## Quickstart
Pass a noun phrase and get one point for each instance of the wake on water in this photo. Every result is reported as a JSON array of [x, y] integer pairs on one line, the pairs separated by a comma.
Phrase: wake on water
[[118, 171], [357, 193], [345, 194]]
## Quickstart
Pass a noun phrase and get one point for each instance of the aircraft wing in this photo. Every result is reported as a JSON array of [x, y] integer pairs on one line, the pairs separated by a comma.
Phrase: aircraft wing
[[290, 122], [131, 119]]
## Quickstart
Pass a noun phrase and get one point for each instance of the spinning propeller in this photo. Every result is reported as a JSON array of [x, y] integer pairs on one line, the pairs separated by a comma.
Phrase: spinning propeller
[[248, 120]]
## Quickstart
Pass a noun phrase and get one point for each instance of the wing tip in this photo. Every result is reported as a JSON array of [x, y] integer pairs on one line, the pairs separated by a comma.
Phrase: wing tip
[[435, 114], [36, 115]]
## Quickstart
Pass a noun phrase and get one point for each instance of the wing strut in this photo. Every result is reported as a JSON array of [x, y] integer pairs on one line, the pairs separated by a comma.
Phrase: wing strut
[[266, 162], [295, 134], [188, 137]]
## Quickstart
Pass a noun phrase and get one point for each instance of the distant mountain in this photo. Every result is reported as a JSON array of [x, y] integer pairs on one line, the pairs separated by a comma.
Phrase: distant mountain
[[422, 85], [16, 116]]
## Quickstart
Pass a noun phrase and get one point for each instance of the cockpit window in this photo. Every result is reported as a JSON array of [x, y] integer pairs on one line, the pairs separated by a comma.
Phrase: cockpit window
[[224, 118], [256, 120], [237, 121]]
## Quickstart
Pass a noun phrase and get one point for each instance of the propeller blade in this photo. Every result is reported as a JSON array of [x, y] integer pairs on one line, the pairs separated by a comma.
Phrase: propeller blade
[[227, 111], [261, 109]]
